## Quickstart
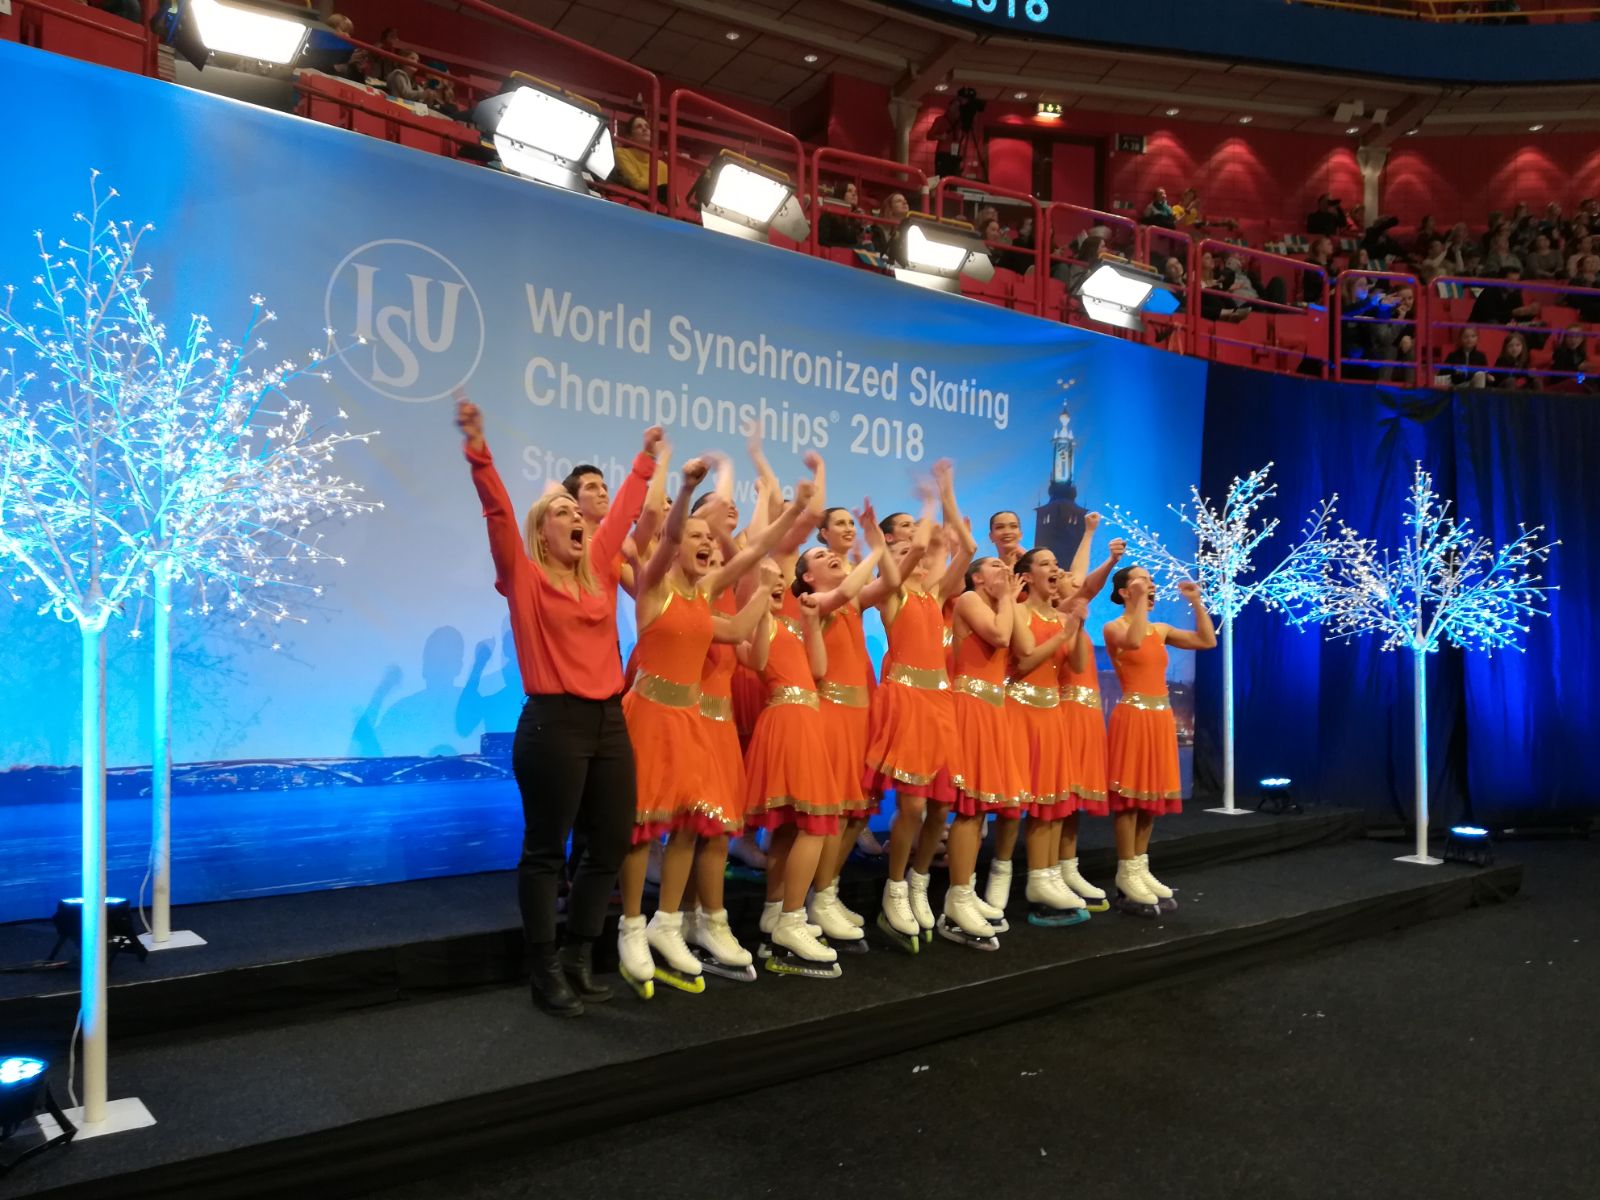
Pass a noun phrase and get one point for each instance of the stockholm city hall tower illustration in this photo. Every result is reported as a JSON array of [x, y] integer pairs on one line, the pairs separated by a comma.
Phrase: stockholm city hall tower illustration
[[1058, 522]]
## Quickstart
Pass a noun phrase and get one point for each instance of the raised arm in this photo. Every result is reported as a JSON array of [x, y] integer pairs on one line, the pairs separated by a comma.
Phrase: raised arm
[[852, 585], [655, 569], [1136, 596], [760, 546], [797, 534], [1204, 634], [1028, 653], [625, 505], [505, 538], [992, 625], [742, 624], [655, 499], [955, 575], [753, 653], [764, 471], [1081, 651], [816, 648], [1095, 581], [888, 581]]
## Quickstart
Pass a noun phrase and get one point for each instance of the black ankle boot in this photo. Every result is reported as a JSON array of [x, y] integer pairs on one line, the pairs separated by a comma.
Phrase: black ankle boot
[[577, 961], [551, 991]]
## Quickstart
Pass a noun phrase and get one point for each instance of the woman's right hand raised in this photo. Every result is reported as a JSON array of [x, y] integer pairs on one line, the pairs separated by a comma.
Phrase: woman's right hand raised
[[469, 419]]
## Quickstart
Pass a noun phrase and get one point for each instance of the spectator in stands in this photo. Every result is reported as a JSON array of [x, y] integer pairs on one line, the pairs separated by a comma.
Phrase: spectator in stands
[[1578, 248], [1586, 276], [632, 156], [1467, 362], [1552, 225], [403, 83], [366, 64], [1311, 288], [1523, 227], [1074, 273], [1503, 304], [1172, 273], [895, 209], [995, 238], [1158, 211], [1393, 341], [1377, 242], [1186, 212], [1434, 255], [1497, 225], [1543, 261], [1510, 369], [1572, 354], [984, 215], [1501, 257], [329, 49], [1472, 260], [834, 227], [1426, 233], [1329, 219]]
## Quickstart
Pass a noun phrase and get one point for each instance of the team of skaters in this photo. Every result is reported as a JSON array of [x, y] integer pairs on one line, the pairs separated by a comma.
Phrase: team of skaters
[[751, 704]]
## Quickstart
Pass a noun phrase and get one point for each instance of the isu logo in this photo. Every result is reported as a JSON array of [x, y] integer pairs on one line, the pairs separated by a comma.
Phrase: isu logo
[[421, 320]]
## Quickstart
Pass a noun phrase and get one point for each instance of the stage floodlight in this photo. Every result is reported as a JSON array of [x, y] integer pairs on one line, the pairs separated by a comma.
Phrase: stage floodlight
[[1116, 293], [23, 1094], [1469, 844], [546, 133], [749, 200], [1275, 796], [68, 920], [935, 253], [260, 30]]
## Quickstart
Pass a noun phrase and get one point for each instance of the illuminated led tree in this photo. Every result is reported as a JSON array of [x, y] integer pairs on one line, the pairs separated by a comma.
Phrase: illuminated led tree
[[1443, 583], [1226, 544], [127, 467]]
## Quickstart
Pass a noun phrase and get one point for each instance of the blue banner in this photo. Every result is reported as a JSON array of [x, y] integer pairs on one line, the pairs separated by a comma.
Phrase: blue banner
[[575, 323]]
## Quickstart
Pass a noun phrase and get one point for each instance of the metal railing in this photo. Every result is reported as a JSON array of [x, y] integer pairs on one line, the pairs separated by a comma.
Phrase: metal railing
[[1027, 292], [848, 167], [713, 126], [1384, 326]]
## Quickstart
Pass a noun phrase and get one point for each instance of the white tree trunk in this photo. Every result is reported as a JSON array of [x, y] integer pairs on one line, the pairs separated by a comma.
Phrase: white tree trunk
[[92, 946], [161, 759], [1227, 713], [1419, 722]]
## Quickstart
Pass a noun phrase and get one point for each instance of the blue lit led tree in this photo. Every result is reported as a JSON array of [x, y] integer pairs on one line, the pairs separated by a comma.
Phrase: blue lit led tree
[[128, 466], [1443, 583], [1226, 543]]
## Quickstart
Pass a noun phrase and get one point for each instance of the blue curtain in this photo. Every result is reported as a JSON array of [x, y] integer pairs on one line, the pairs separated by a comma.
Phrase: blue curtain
[[1506, 731]]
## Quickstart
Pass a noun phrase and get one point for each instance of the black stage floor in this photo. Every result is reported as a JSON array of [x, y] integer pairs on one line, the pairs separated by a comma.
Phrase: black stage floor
[[349, 1100]]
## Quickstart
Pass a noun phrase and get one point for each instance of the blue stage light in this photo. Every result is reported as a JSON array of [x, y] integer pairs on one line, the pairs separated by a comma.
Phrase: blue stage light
[[120, 935], [1468, 831], [1469, 844], [19, 1070], [1275, 781], [1274, 796], [22, 1094]]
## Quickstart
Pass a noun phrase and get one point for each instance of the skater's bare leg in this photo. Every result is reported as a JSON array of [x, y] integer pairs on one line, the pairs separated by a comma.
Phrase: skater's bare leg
[[1043, 843], [1069, 836], [965, 835], [634, 864], [675, 867], [908, 814], [846, 843], [707, 880], [827, 861], [1125, 825], [928, 841], [800, 868], [778, 861], [1141, 837], [1005, 836]]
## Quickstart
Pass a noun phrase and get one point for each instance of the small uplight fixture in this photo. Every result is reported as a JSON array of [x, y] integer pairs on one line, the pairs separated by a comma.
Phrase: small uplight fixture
[[810, 58], [1353, 129], [1019, 95], [1245, 120], [1469, 844], [1115, 293], [1275, 796], [935, 253], [1411, 133], [255, 29], [68, 920], [941, 87], [1172, 112], [733, 35], [750, 200], [1048, 110], [23, 1093], [1535, 128], [543, 132]]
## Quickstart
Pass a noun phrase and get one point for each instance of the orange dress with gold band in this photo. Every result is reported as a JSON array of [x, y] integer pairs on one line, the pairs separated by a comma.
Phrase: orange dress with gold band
[[662, 708], [726, 762], [789, 778], [984, 773], [944, 791], [1038, 733], [846, 698], [749, 693], [1142, 748], [1084, 721], [912, 729]]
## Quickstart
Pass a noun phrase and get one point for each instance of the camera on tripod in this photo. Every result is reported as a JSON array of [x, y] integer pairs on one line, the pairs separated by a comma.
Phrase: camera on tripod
[[953, 131]]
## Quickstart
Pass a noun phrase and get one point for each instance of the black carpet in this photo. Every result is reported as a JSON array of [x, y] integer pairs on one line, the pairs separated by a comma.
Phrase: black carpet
[[362, 1077], [1454, 1059]]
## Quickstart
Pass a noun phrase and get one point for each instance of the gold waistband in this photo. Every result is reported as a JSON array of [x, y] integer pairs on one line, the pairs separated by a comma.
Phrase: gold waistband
[[989, 693], [665, 691], [1033, 695], [932, 679], [1081, 693], [1148, 701], [716, 708], [792, 695], [843, 693]]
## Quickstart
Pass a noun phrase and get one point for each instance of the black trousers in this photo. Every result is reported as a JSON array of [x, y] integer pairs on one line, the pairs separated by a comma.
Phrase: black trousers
[[574, 768]]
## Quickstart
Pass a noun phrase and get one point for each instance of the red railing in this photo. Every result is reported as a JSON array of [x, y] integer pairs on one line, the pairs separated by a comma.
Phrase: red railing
[[723, 127], [1558, 308], [1267, 330], [1019, 270], [847, 167], [38, 23], [1384, 324]]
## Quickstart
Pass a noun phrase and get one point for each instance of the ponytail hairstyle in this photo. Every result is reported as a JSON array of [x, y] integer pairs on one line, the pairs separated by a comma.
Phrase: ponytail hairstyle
[[973, 568], [822, 525], [1118, 582], [801, 586], [887, 524]]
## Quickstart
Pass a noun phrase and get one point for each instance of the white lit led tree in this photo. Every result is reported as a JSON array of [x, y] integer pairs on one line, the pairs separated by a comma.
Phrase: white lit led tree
[[1443, 583], [1226, 544], [128, 467]]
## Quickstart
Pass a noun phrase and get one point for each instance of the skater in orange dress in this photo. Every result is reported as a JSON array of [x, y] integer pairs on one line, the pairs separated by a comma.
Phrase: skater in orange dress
[[985, 773], [676, 795], [790, 784], [1142, 747], [845, 693], [912, 725], [1041, 641]]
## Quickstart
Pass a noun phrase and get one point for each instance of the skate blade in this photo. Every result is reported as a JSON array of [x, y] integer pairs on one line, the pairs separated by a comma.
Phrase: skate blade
[[954, 933], [1133, 908], [852, 946], [1094, 906], [1168, 905], [908, 942], [645, 988], [692, 985], [711, 964], [1059, 919], [927, 937], [803, 968], [1000, 926]]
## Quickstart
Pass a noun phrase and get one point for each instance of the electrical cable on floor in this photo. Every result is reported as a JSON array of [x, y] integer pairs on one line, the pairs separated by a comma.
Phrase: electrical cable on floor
[[72, 1060]]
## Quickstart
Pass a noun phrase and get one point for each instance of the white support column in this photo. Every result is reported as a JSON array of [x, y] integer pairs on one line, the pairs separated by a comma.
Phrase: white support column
[[903, 112], [1371, 160]]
